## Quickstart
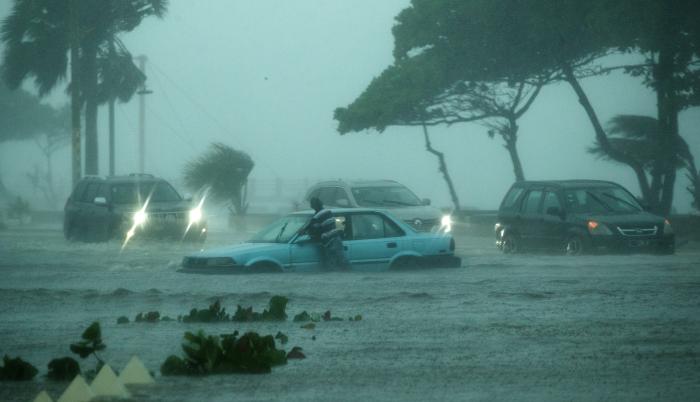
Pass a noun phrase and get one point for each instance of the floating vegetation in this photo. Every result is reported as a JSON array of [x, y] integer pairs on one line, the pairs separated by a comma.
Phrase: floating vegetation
[[358, 317], [304, 316], [282, 338], [327, 317], [215, 313], [276, 312], [296, 353], [90, 344], [16, 370], [123, 320], [309, 325], [63, 369], [211, 354], [151, 316]]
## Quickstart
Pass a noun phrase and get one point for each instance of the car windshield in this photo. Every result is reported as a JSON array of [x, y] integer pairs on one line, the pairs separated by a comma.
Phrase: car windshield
[[601, 200], [388, 196], [137, 193], [282, 230]]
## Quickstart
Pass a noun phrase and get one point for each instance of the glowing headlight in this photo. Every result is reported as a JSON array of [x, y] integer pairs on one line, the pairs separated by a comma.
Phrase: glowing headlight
[[667, 227], [446, 223], [598, 229], [195, 215], [140, 217]]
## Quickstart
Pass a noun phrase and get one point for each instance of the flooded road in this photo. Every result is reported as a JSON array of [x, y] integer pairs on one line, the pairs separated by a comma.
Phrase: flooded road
[[525, 327]]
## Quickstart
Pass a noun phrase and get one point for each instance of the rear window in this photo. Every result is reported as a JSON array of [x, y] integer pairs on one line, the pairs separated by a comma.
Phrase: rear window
[[510, 202]]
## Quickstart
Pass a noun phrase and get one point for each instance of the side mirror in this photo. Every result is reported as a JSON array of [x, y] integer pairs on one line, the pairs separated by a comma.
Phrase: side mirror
[[555, 211], [101, 201], [188, 197], [425, 201], [343, 203]]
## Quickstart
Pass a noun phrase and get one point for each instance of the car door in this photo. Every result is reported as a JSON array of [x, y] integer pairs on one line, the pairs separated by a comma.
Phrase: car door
[[553, 225], [530, 225], [374, 241], [305, 255]]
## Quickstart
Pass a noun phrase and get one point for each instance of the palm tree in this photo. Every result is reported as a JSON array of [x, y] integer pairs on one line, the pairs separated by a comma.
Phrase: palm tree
[[37, 37], [637, 138], [224, 171]]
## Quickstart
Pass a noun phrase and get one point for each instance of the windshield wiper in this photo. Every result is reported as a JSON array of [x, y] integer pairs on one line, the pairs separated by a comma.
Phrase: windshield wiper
[[621, 200], [279, 235], [406, 204]]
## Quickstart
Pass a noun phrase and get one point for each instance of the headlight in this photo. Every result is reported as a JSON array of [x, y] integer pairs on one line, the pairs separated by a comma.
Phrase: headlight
[[668, 230], [140, 217], [446, 223], [598, 229], [195, 215]]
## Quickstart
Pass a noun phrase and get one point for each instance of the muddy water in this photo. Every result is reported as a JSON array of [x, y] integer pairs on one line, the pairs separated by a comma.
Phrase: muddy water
[[499, 328]]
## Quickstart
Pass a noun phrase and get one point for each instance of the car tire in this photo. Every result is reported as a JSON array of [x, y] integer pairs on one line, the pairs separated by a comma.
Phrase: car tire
[[264, 268], [511, 244], [575, 245], [70, 232], [406, 263]]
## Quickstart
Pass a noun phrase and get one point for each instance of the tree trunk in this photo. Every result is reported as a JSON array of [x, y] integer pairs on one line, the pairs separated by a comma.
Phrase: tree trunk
[[90, 86], [510, 136], [76, 104], [443, 170], [668, 128], [112, 56], [602, 138]]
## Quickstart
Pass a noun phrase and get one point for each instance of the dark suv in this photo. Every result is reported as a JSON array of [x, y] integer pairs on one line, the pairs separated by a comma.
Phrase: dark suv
[[579, 216], [101, 208]]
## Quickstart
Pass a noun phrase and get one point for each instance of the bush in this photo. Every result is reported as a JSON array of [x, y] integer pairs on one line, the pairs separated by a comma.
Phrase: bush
[[17, 370], [151, 316], [208, 354], [276, 312], [215, 313], [63, 369]]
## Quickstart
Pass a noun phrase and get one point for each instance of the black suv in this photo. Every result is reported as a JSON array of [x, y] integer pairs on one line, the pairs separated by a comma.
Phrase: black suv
[[578, 216], [101, 208]]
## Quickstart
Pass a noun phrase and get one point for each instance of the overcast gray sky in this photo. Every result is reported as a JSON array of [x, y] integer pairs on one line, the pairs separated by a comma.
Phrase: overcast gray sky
[[265, 76]]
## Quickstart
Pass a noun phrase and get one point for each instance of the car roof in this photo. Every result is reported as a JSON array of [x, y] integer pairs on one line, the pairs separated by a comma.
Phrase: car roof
[[340, 211], [358, 183], [566, 183], [131, 178]]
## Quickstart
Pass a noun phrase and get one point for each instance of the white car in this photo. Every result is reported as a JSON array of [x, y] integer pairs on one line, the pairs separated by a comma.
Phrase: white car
[[387, 195], [373, 240]]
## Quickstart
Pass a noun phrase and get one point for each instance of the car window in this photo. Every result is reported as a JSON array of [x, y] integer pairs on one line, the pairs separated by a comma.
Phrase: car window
[[327, 195], [103, 191], [601, 200], [137, 193], [510, 201], [341, 198], [90, 193], [532, 202], [373, 226], [281, 230], [551, 201], [388, 196], [79, 191]]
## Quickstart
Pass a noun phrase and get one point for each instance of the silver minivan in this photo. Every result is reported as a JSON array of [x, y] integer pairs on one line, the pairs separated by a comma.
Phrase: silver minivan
[[388, 195]]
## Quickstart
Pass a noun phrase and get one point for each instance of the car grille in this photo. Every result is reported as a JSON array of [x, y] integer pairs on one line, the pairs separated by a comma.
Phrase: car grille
[[422, 224], [167, 217], [638, 231]]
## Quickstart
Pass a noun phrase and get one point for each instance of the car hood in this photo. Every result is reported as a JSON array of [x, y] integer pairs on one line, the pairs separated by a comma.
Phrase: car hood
[[641, 218], [238, 250], [418, 212]]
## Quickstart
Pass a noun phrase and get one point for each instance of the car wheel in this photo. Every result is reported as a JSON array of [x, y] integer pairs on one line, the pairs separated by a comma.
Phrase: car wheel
[[575, 245], [510, 244], [406, 263], [70, 232], [264, 268]]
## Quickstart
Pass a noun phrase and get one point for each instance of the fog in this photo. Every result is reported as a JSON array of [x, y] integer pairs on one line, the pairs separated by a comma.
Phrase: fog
[[265, 77]]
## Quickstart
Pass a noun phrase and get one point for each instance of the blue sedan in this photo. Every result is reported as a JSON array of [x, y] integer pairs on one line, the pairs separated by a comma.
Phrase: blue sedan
[[374, 240]]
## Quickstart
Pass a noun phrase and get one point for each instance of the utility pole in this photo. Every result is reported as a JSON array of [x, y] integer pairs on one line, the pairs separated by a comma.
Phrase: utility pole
[[142, 115], [75, 92], [112, 55]]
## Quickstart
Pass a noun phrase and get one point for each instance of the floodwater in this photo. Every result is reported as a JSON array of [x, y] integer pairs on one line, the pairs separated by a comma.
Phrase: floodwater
[[528, 327]]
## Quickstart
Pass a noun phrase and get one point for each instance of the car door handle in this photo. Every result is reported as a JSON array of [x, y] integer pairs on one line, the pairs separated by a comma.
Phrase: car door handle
[[391, 245]]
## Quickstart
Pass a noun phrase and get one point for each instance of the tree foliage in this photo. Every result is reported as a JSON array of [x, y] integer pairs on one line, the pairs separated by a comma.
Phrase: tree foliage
[[224, 171], [23, 116]]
